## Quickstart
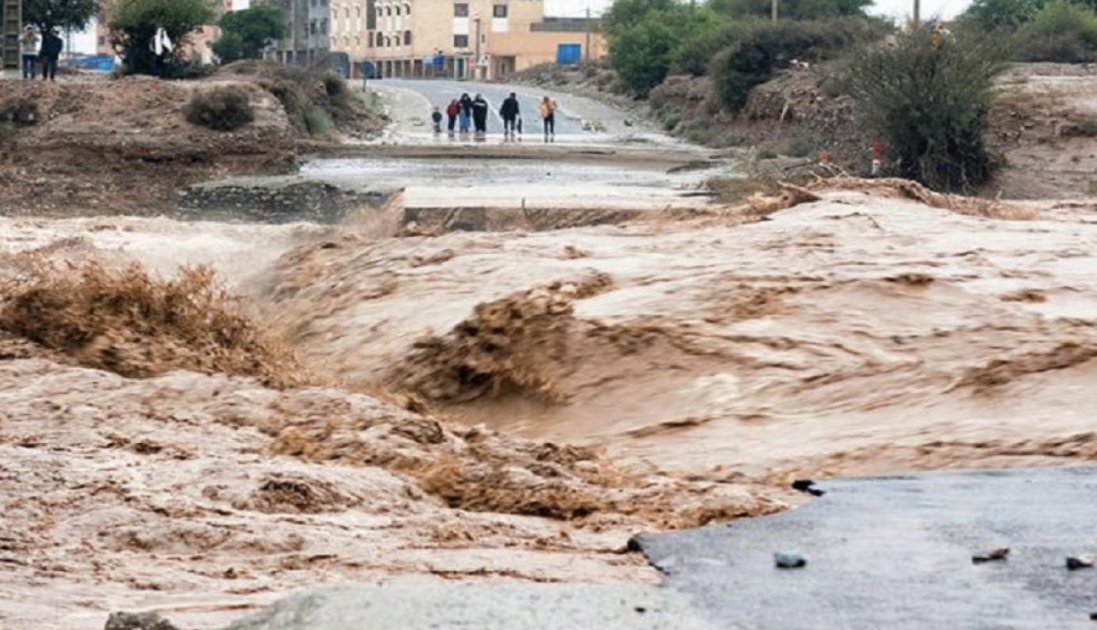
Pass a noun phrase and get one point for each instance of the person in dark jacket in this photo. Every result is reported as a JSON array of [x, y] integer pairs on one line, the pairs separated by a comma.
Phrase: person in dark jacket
[[480, 114], [50, 53], [510, 112], [451, 113], [465, 114]]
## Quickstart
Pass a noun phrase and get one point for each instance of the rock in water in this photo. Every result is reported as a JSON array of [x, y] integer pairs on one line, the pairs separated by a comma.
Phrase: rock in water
[[789, 560], [138, 621], [990, 556], [1084, 561]]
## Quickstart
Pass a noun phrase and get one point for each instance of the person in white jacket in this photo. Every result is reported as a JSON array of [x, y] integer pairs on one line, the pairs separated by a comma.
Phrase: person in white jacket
[[161, 48]]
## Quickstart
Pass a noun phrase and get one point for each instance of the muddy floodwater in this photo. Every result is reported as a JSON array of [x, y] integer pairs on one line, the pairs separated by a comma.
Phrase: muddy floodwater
[[473, 403]]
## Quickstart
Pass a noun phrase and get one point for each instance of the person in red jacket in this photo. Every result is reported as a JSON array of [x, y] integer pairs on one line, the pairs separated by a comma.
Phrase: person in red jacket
[[451, 113]]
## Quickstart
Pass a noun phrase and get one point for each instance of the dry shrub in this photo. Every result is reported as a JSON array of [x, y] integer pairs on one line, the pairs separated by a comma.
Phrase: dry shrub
[[137, 325], [222, 108], [508, 346]]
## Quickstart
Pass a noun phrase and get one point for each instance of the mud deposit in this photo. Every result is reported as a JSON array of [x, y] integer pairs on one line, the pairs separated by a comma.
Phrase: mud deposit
[[501, 405]]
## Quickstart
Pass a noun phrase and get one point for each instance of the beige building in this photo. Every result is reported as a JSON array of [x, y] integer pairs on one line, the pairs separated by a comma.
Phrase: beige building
[[471, 38]]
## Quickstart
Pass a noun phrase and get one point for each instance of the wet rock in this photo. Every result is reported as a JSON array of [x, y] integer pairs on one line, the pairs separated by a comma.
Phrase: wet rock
[[808, 486], [789, 560], [991, 556], [138, 621], [1084, 561]]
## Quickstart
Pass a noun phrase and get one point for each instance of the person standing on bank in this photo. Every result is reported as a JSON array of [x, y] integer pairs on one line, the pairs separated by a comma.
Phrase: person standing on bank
[[480, 114], [451, 113], [465, 115], [548, 117], [161, 48], [50, 53], [28, 47], [509, 111]]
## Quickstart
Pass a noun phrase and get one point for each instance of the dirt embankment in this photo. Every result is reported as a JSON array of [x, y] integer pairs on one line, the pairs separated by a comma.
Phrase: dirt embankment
[[1043, 125], [125, 146]]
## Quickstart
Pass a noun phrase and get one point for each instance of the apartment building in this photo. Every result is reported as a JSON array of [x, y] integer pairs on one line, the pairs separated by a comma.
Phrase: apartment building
[[11, 23], [461, 39], [308, 31]]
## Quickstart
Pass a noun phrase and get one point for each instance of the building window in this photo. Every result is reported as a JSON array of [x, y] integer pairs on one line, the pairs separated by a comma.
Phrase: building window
[[324, 26], [460, 41], [407, 38], [407, 9], [397, 10], [499, 11], [357, 41], [461, 9], [312, 27], [388, 11]]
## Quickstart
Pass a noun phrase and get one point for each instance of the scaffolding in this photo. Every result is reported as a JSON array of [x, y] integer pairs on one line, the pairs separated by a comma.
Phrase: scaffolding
[[11, 20]]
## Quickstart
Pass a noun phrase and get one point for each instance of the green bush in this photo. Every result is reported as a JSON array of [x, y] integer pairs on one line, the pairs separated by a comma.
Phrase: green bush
[[244, 33], [1061, 32], [318, 122], [694, 55], [222, 108], [929, 105], [767, 47], [670, 116], [1087, 128], [791, 9]]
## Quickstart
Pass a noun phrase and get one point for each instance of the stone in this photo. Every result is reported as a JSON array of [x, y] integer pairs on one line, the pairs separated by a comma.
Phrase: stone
[[789, 560]]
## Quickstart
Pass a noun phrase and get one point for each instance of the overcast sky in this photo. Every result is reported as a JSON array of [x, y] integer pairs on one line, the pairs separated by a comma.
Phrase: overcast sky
[[891, 8]]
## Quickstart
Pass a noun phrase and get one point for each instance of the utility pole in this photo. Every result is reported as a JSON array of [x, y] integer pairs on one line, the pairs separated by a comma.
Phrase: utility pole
[[918, 13], [586, 48], [773, 9], [476, 61]]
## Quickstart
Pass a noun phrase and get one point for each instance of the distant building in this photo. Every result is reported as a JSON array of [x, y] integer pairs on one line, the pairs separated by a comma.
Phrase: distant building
[[308, 37], [11, 23], [464, 39]]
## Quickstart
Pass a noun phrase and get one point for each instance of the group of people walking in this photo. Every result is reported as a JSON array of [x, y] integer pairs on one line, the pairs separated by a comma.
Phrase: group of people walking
[[471, 113], [44, 49]]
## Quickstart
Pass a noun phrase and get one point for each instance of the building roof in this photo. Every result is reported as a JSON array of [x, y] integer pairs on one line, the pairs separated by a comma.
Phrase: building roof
[[565, 25]]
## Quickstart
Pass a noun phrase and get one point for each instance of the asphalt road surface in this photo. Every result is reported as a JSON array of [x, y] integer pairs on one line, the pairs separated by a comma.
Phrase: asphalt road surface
[[441, 92], [897, 554], [892, 553]]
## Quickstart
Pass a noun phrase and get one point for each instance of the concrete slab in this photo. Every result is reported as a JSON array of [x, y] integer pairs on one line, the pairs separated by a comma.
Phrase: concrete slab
[[422, 605], [897, 553]]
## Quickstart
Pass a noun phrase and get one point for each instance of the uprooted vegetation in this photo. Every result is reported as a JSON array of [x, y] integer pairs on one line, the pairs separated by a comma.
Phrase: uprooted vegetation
[[509, 346], [138, 325]]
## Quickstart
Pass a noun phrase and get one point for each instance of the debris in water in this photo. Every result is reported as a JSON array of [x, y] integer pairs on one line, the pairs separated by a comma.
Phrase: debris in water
[[991, 556], [1084, 561], [789, 560], [138, 621]]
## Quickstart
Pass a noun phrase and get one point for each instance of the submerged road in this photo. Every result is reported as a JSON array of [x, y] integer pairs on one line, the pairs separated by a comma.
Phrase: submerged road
[[892, 553], [573, 110]]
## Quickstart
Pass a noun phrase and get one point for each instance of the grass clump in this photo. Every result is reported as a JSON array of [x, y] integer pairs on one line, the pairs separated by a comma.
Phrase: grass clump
[[137, 325], [222, 109]]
